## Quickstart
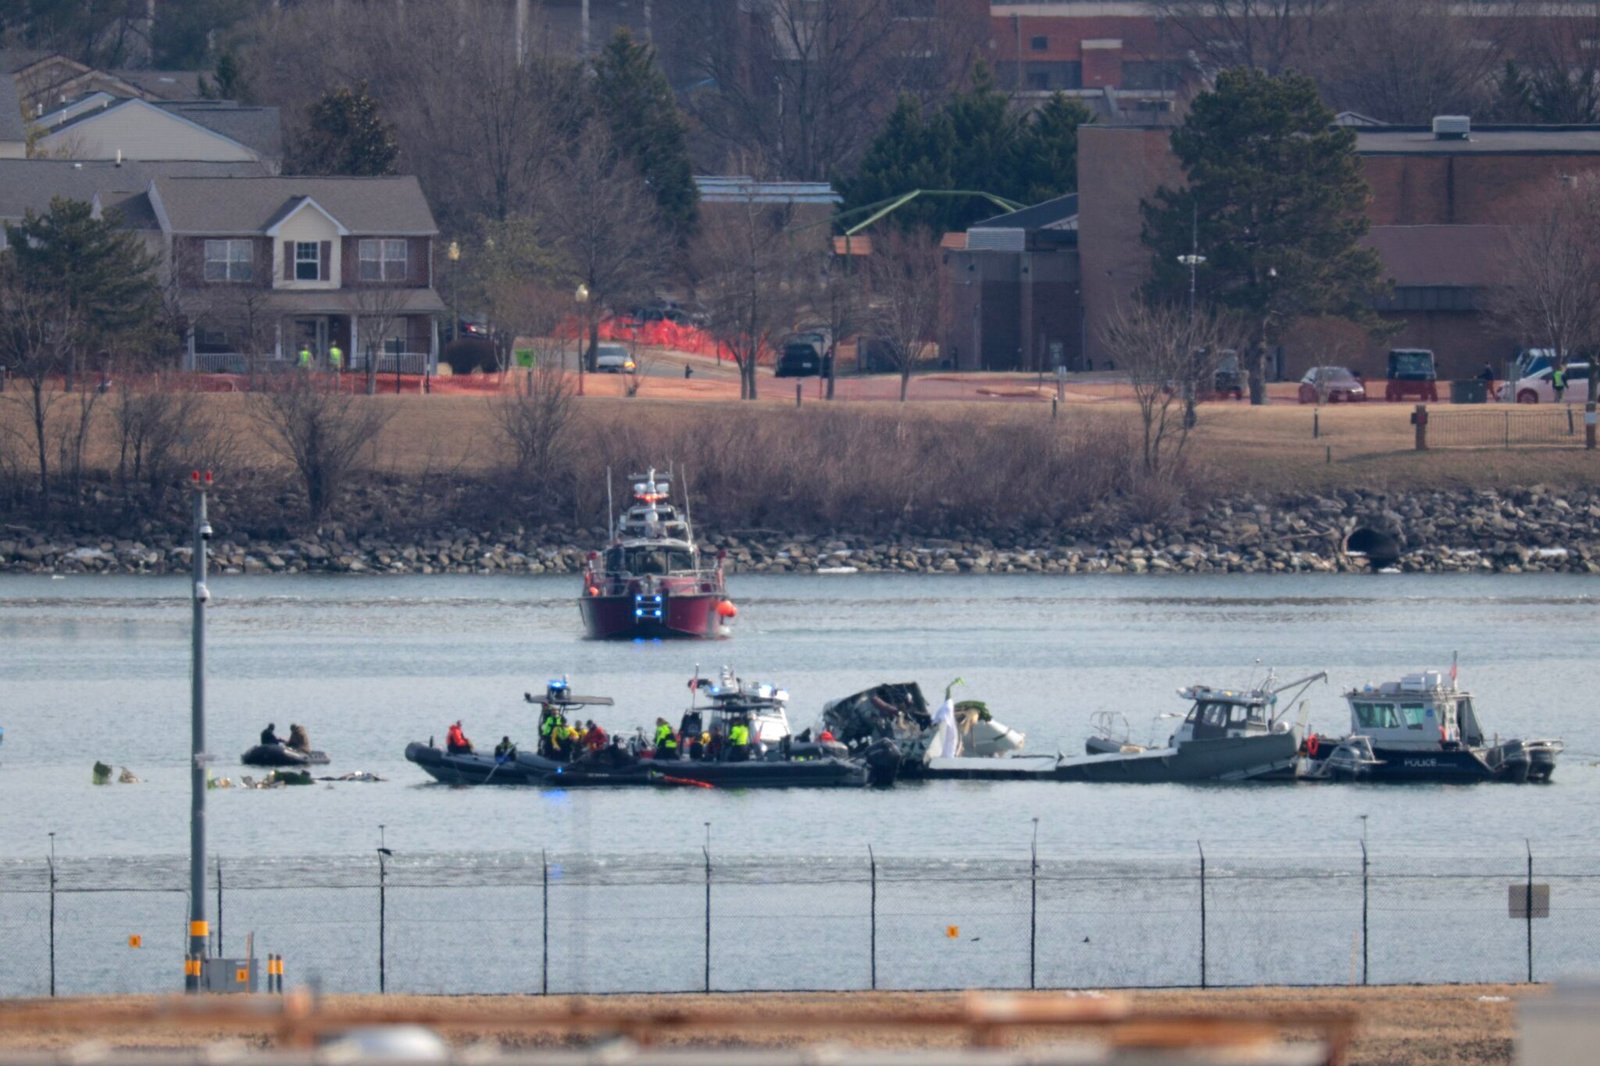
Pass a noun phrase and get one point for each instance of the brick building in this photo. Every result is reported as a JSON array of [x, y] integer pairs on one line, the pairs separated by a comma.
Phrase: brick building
[[1440, 205]]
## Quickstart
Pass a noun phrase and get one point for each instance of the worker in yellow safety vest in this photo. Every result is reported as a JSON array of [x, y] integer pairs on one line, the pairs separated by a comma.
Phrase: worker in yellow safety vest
[[335, 358], [739, 741], [666, 741], [305, 357]]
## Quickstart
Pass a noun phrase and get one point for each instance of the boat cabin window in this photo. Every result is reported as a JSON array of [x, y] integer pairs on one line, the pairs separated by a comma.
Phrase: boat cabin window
[[649, 560], [1376, 716], [1414, 714]]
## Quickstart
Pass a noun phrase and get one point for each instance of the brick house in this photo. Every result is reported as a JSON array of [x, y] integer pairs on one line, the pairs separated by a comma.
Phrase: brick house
[[262, 267]]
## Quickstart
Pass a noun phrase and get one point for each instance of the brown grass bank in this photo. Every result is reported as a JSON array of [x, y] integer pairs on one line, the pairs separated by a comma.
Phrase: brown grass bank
[[945, 468]]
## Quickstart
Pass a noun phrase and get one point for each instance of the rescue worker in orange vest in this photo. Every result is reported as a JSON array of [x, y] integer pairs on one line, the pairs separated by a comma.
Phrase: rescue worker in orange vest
[[456, 742]]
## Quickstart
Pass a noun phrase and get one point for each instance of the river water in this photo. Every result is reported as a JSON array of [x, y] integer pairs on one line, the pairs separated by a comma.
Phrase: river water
[[96, 668]]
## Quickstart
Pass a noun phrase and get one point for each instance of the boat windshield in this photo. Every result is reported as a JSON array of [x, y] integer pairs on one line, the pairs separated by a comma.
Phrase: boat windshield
[[1414, 714], [649, 560], [1376, 716]]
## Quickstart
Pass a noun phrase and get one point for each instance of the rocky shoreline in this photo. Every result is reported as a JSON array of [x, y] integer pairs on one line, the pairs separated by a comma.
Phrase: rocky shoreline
[[1527, 530]]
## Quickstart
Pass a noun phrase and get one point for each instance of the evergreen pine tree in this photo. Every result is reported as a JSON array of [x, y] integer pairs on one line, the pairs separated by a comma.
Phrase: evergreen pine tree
[[345, 135], [1275, 203], [1047, 156], [636, 102]]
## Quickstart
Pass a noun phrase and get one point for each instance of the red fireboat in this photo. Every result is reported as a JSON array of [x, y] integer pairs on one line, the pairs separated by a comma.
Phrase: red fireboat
[[649, 583]]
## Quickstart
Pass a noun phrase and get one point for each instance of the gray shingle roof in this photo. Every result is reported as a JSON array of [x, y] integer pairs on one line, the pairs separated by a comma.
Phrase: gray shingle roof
[[29, 184], [163, 84], [11, 127], [386, 206], [257, 128]]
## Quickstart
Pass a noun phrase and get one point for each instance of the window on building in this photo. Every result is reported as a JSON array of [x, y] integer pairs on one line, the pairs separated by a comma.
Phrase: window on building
[[1149, 75], [1039, 44], [307, 261], [1049, 76], [383, 260], [229, 261]]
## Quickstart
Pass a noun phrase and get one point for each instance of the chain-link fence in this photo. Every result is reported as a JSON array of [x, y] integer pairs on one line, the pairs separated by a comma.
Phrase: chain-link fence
[[557, 924]]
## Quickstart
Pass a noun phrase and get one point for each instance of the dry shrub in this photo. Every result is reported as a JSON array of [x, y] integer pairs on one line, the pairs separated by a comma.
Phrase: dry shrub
[[852, 470]]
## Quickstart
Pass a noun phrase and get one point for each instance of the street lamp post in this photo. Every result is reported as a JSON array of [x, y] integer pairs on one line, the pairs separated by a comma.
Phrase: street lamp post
[[581, 295], [1192, 261]]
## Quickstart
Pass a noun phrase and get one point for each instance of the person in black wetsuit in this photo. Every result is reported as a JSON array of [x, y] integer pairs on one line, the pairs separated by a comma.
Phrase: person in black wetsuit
[[268, 737]]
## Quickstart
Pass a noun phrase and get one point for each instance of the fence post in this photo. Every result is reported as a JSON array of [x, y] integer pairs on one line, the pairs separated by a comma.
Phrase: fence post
[[1419, 418], [1363, 912], [707, 850], [1528, 901], [1316, 422], [1508, 430], [1589, 419], [218, 942], [544, 967], [872, 948], [1201, 846], [797, 394], [1033, 909], [52, 861]]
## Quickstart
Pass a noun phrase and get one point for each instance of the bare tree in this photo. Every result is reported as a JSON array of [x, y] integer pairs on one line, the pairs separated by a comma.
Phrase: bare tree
[[322, 430], [243, 315], [380, 312], [533, 423], [38, 331], [746, 260], [1553, 73], [1268, 35], [806, 83], [903, 276], [605, 224], [1405, 62], [1163, 346], [837, 300], [164, 429], [477, 122], [1551, 294]]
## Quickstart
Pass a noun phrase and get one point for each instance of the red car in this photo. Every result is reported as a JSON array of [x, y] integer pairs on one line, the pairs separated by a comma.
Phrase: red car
[[1331, 384]]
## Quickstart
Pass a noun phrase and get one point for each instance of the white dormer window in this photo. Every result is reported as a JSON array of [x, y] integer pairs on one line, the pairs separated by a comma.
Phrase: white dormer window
[[229, 261], [307, 261], [383, 260]]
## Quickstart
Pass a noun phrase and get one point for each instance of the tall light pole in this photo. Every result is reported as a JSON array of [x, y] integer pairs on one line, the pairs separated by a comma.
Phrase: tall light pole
[[1192, 261], [199, 929], [581, 295]]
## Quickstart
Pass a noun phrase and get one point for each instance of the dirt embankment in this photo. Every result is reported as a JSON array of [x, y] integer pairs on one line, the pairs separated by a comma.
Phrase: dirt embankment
[[1451, 1025]]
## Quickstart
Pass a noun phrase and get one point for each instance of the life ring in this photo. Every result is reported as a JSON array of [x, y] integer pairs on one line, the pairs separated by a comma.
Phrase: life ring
[[1313, 742]]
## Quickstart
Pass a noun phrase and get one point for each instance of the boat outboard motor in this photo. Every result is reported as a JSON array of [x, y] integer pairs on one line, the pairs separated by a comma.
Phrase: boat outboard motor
[[883, 760]]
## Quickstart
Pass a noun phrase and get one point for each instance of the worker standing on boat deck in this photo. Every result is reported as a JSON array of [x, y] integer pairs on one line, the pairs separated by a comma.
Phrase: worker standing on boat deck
[[456, 742], [666, 743], [550, 726], [299, 738], [739, 741], [595, 738], [504, 750], [270, 738]]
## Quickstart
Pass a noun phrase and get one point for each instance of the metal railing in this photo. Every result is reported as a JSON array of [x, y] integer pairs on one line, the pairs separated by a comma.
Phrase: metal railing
[[591, 924], [1505, 427]]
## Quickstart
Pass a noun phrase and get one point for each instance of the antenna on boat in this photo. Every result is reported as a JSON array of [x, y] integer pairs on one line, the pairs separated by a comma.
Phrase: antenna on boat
[[611, 510], [688, 518]]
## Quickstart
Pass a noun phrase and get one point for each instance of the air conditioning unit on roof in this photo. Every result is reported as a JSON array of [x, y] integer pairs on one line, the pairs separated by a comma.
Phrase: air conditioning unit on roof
[[1451, 127]]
